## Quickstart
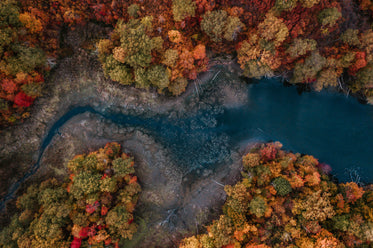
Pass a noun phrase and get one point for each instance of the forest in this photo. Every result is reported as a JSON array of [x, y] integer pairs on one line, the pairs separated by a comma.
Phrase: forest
[[92, 207], [163, 44], [282, 199], [289, 200]]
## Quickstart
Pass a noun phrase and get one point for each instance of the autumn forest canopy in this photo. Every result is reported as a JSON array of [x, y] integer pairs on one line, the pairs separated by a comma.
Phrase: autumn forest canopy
[[282, 199], [163, 44], [93, 206], [288, 200]]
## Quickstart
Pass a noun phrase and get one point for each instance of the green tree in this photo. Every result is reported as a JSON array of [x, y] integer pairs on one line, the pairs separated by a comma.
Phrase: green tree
[[307, 71], [258, 206], [273, 29], [29, 200], [118, 220], [285, 5], [85, 183], [182, 9], [300, 47], [329, 16], [350, 36], [26, 60], [49, 196], [221, 231], [9, 14], [108, 184], [178, 86], [159, 76], [133, 10], [118, 71], [170, 57], [123, 167], [135, 42], [282, 186], [76, 164], [32, 89], [218, 25], [309, 3], [95, 200]]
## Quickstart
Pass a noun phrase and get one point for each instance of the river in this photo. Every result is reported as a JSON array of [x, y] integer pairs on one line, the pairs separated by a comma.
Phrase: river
[[336, 129]]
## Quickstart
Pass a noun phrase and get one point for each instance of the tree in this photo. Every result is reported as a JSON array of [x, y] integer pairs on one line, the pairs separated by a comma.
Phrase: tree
[[23, 100], [9, 86], [251, 160], [352, 192], [258, 206], [9, 14], [307, 71], [32, 89], [170, 57], [238, 198], [159, 76], [282, 186], [301, 47], [273, 29], [191, 242], [329, 17], [199, 52], [314, 214], [133, 10], [119, 221], [285, 5], [350, 36], [327, 78], [218, 25], [84, 184], [123, 166], [309, 3], [135, 42], [316, 207], [364, 76], [182, 9], [178, 86], [32, 23], [221, 231]]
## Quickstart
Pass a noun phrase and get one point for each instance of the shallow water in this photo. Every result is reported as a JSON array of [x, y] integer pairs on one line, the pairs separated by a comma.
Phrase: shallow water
[[332, 127]]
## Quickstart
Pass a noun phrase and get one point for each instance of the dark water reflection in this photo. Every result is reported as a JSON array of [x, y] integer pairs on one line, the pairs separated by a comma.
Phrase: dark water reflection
[[335, 129]]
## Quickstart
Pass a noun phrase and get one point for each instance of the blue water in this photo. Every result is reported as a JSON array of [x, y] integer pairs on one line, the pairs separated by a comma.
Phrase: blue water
[[336, 129]]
